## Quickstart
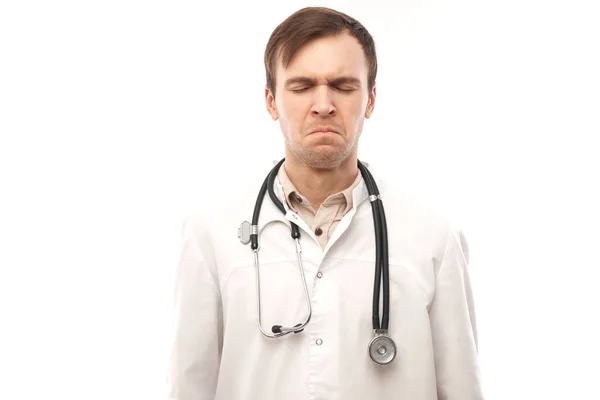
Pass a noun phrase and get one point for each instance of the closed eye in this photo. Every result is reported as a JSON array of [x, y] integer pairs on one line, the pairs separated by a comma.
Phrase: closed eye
[[345, 90], [336, 88]]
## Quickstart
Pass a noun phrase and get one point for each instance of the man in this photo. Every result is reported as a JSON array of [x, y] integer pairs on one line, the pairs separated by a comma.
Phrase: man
[[321, 67]]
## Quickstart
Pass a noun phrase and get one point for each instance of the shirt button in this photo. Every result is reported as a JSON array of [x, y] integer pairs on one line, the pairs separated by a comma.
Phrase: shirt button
[[318, 231], [319, 342], [319, 274]]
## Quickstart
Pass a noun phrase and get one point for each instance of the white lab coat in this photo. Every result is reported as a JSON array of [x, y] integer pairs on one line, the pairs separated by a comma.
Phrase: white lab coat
[[220, 354]]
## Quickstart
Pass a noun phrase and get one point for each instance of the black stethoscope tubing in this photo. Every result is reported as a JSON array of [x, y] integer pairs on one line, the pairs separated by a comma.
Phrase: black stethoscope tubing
[[381, 239]]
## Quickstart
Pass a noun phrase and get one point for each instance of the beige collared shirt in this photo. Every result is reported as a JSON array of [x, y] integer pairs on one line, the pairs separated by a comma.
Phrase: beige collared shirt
[[324, 220]]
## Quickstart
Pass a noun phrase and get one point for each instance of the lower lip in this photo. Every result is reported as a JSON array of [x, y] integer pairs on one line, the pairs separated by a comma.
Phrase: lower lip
[[321, 132]]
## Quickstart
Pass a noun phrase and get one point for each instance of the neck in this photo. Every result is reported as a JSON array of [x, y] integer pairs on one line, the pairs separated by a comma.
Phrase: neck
[[318, 184]]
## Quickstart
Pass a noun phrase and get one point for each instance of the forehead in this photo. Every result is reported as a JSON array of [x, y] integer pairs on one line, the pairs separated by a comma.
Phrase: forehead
[[330, 56]]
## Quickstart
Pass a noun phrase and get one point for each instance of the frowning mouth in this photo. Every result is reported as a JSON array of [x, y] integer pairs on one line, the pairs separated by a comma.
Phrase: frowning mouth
[[322, 130]]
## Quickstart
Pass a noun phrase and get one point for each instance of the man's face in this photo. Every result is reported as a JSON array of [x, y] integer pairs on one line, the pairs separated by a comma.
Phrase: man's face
[[323, 88]]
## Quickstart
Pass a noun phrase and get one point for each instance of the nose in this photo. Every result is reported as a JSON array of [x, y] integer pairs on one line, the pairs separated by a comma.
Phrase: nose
[[323, 104]]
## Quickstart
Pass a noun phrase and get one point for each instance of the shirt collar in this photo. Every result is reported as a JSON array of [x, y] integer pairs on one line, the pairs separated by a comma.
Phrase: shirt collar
[[289, 190], [354, 194]]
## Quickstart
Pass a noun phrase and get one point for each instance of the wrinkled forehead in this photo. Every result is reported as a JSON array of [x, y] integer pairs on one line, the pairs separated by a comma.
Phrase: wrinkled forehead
[[326, 58]]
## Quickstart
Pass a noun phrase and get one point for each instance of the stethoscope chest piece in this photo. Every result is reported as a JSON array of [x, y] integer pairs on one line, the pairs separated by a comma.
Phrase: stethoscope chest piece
[[382, 349]]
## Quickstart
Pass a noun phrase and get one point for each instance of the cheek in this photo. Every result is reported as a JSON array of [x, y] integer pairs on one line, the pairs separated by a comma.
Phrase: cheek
[[353, 112], [290, 110], [354, 103]]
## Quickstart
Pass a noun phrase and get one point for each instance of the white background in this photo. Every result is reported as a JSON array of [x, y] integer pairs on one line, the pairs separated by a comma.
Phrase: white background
[[117, 118]]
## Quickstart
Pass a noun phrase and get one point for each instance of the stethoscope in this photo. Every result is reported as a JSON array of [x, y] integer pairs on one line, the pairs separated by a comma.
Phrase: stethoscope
[[382, 348]]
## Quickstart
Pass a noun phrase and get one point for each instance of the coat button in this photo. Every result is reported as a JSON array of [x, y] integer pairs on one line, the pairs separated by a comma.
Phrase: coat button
[[319, 274], [318, 231], [319, 342]]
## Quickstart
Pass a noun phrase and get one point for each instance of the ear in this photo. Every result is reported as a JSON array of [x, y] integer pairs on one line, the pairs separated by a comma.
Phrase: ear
[[371, 103], [270, 102]]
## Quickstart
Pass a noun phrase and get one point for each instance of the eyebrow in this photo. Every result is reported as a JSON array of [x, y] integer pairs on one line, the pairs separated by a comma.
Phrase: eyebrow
[[335, 82]]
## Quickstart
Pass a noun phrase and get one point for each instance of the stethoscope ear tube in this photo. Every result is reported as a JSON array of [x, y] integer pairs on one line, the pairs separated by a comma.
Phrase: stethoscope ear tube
[[257, 206], [386, 268], [270, 184], [267, 186]]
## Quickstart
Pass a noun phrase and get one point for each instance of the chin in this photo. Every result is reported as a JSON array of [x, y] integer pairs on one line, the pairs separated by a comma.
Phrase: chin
[[323, 159]]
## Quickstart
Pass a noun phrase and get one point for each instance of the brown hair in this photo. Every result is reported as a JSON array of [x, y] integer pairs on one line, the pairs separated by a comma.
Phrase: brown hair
[[312, 23]]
